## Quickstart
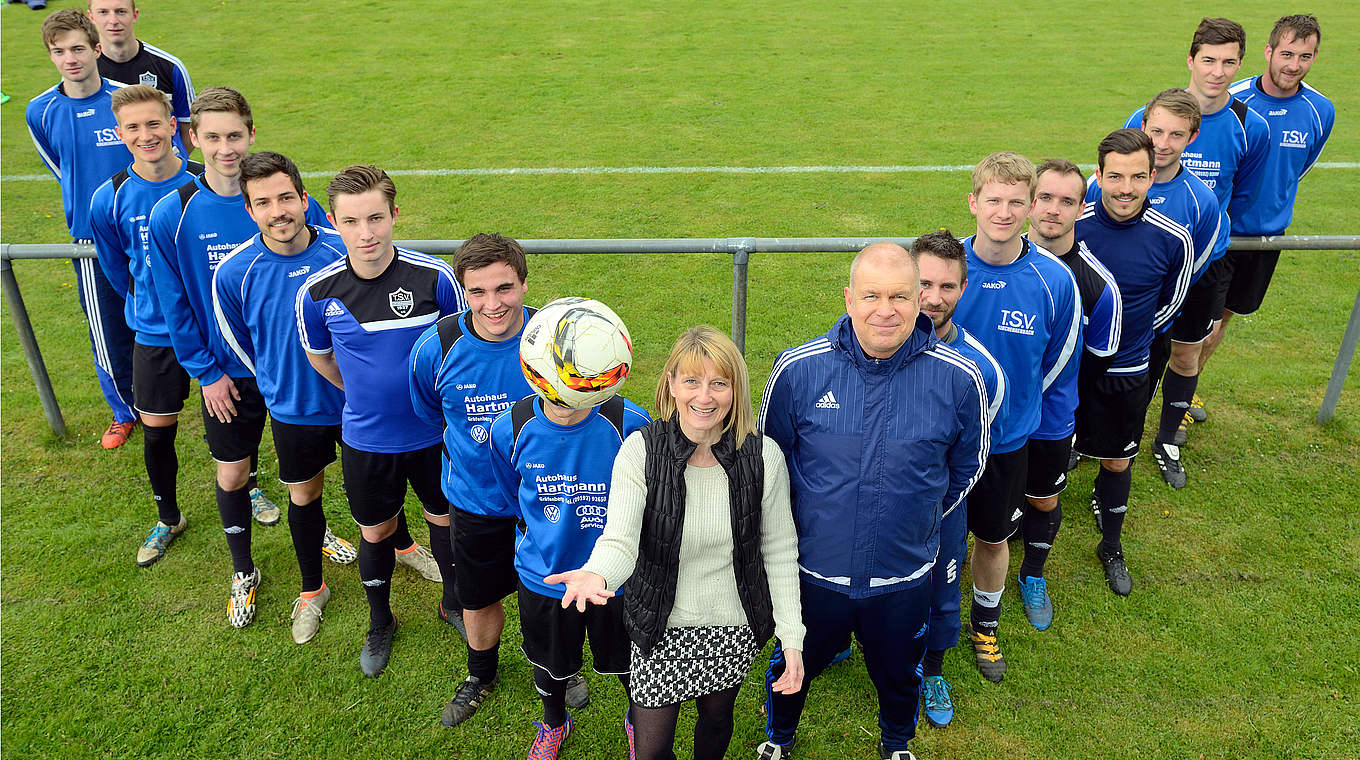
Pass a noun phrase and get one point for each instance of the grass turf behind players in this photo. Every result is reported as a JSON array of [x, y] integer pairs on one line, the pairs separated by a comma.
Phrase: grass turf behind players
[[1222, 651]]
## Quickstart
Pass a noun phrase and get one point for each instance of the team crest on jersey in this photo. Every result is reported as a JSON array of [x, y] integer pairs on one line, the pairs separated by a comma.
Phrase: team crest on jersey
[[478, 433], [552, 512], [401, 302], [148, 79]]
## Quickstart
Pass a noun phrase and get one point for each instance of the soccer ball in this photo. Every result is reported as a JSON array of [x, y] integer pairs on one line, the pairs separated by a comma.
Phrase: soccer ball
[[576, 353]]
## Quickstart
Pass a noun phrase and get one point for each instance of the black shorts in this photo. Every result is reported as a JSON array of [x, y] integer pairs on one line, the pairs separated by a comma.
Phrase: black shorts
[[1111, 416], [553, 637], [304, 450], [1203, 304], [239, 439], [375, 482], [484, 553], [1249, 279], [159, 384], [994, 503], [1047, 472]]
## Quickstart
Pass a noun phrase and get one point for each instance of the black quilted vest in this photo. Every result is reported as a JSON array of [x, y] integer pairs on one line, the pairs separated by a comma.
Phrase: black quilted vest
[[651, 589]]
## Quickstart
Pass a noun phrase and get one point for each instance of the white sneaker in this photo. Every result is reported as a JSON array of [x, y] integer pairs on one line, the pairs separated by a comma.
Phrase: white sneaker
[[420, 559], [307, 615], [241, 603]]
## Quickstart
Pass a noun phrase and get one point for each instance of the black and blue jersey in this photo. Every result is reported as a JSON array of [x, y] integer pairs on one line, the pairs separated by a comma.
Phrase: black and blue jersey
[[556, 477], [1152, 259], [371, 326], [154, 67], [1188, 200], [254, 293], [460, 382], [120, 214]]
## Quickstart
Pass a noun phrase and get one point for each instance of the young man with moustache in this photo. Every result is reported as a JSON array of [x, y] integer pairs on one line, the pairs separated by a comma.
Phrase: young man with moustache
[[875, 462], [1300, 120], [1152, 259], [119, 213], [1022, 305], [358, 319], [1172, 120], [192, 229], [73, 128], [253, 290], [943, 267], [1228, 154], [127, 60], [1057, 204]]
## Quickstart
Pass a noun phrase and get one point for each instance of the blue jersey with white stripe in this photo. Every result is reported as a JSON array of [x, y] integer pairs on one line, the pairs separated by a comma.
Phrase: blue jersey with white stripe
[[1186, 199], [192, 230], [556, 479], [76, 140], [1229, 152], [120, 224], [1299, 127], [254, 292], [1102, 325], [460, 382], [371, 325], [993, 376], [1028, 314], [1152, 259]]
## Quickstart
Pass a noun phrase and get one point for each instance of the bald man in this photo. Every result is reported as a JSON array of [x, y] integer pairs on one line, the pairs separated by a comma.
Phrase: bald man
[[885, 431]]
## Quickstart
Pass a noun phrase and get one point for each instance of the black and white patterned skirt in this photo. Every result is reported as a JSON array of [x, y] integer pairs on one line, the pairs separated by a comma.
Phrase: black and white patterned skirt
[[692, 662]]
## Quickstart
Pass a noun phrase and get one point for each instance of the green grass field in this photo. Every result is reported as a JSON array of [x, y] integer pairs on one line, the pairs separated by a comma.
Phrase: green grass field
[[1235, 642]]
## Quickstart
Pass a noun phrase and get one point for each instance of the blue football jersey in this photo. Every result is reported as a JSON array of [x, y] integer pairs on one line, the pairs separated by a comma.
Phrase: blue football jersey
[[371, 326], [77, 141], [192, 230], [1299, 127], [254, 296], [1028, 314], [460, 382], [557, 479], [1186, 199], [120, 223]]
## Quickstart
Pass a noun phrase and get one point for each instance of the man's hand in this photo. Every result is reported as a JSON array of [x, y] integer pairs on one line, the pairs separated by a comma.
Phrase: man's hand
[[583, 587], [792, 680], [219, 397]]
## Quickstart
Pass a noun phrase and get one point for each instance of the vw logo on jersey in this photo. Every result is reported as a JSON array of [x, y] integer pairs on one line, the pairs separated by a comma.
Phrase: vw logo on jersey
[[148, 79], [401, 302], [552, 512], [478, 433]]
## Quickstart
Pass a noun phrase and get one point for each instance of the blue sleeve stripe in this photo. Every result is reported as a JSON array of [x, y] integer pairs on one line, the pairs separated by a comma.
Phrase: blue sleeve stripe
[[1074, 322], [224, 325], [1169, 311], [957, 359], [183, 70], [999, 396]]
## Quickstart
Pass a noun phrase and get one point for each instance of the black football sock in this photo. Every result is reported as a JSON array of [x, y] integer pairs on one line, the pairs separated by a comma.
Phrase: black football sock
[[1177, 393], [1113, 489], [401, 537], [234, 508], [934, 662], [376, 562], [162, 469], [441, 546], [554, 696], [1040, 528], [253, 481], [482, 663], [307, 524]]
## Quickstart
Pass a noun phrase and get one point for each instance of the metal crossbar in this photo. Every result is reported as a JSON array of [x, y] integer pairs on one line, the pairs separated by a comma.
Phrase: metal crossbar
[[740, 248]]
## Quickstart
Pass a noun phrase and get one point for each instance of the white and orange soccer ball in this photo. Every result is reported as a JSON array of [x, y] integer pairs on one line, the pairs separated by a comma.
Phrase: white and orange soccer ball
[[576, 352]]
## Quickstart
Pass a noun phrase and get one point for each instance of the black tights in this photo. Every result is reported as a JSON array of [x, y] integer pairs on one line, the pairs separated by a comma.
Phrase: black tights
[[654, 727]]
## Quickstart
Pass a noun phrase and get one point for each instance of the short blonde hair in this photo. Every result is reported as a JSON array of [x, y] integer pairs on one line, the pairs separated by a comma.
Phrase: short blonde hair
[[139, 93], [1177, 102], [705, 342], [1006, 166], [220, 100]]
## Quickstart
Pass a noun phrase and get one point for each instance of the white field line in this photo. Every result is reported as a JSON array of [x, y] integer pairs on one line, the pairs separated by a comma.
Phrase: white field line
[[597, 170]]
